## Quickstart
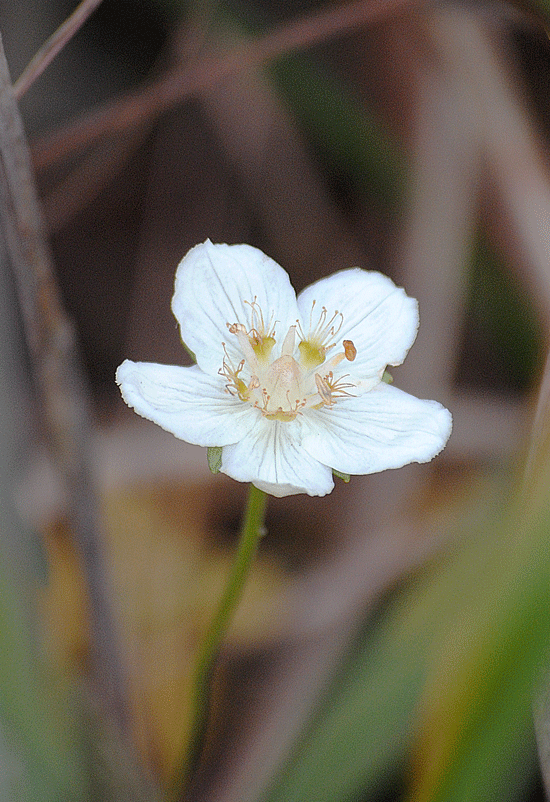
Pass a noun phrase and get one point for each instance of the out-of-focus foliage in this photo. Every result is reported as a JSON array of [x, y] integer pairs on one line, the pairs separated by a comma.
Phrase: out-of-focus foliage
[[355, 150], [352, 142], [448, 672], [500, 313], [166, 579], [40, 747], [538, 9]]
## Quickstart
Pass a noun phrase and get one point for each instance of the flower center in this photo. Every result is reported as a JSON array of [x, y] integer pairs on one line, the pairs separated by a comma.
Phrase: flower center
[[300, 378]]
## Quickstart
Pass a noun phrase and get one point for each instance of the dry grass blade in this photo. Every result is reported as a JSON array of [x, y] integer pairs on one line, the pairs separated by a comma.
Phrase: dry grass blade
[[54, 45], [445, 175], [178, 84], [84, 184], [510, 144]]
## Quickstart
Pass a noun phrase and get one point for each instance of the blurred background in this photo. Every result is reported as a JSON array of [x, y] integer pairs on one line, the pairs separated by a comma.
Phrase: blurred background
[[392, 642]]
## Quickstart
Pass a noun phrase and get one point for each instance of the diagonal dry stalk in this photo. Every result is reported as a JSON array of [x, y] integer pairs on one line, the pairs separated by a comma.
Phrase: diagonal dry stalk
[[59, 381], [53, 45], [98, 167], [180, 83]]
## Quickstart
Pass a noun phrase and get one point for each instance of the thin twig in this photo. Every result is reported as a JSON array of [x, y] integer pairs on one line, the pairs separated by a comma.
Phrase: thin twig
[[89, 178], [179, 84], [98, 168], [59, 380], [54, 45]]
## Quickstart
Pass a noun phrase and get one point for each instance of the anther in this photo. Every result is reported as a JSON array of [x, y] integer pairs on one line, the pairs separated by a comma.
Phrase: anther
[[350, 350]]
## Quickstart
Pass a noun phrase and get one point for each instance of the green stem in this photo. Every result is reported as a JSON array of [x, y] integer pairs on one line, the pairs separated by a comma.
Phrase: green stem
[[251, 533]]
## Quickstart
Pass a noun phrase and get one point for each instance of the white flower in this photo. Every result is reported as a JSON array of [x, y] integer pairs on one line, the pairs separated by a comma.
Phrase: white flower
[[290, 387]]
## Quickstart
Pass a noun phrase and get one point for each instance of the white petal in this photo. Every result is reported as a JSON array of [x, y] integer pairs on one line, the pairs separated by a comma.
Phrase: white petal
[[215, 285], [379, 318], [270, 456], [384, 428], [185, 401]]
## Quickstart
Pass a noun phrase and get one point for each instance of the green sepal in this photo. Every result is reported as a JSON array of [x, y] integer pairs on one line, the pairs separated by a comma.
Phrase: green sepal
[[387, 377], [190, 352], [214, 457], [345, 477]]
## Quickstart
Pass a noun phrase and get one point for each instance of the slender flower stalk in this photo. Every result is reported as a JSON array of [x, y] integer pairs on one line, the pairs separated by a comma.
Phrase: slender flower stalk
[[251, 533], [286, 391]]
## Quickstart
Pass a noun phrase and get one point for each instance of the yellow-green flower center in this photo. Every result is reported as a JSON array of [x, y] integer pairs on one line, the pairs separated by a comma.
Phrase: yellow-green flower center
[[301, 377]]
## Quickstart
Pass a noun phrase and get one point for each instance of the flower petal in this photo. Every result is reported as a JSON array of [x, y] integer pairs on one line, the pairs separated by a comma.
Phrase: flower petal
[[378, 317], [185, 401], [215, 285], [271, 458], [384, 428]]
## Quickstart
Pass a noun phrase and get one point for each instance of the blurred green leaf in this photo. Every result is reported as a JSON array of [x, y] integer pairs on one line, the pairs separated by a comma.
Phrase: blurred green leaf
[[351, 141], [500, 310], [446, 676], [38, 722], [363, 726], [40, 750], [476, 743], [362, 729], [539, 10]]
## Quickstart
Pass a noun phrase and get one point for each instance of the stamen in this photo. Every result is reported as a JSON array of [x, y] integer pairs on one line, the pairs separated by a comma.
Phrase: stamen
[[334, 361], [338, 387], [349, 350], [235, 385], [324, 330], [240, 332], [259, 330], [323, 389], [311, 314]]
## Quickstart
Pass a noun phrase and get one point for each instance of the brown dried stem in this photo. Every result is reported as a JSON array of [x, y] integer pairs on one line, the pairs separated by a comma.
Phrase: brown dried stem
[[180, 83], [59, 381], [54, 45], [92, 173]]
